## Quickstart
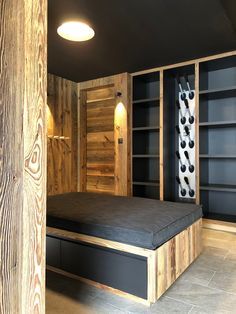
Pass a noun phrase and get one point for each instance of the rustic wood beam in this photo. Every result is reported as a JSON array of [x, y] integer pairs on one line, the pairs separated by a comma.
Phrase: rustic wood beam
[[23, 43]]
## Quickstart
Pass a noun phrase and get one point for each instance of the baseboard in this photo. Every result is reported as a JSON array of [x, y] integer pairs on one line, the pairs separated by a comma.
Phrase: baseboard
[[219, 225]]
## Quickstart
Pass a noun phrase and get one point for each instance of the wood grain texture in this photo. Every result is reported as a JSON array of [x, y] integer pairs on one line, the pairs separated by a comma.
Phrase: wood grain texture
[[23, 42], [100, 106], [161, 140], [62, 122], [176, 255], [68, 235], [219, 225], [103, 163], [82, 130], [122, 131]]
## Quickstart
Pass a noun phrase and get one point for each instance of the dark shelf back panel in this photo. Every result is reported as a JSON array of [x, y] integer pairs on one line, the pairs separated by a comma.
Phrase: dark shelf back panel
[[218, 73], [146, 114], [218, 104], [145, 169], [146, 142], [146, 109], [218, 110], [146, 86], [218, 141], [146, 191], [221, 203], [218, 171]]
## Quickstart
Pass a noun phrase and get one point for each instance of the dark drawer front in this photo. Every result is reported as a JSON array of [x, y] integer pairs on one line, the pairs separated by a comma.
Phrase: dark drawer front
[[53, 254], [126, 272]]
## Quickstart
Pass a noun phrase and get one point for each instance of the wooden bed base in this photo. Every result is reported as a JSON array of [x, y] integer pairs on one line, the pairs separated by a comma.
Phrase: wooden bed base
[[164, 265]]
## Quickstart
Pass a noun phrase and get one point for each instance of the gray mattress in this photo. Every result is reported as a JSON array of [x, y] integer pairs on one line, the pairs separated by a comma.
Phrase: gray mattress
[[137, 221]]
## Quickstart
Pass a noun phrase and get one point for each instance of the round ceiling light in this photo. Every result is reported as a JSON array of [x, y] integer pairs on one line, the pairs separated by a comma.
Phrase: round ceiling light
[[75, 31]]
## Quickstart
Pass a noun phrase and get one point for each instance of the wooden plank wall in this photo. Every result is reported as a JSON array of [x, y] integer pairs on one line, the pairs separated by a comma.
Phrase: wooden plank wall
[[100, 106], [23, 63], [104, 119], [62, 140]]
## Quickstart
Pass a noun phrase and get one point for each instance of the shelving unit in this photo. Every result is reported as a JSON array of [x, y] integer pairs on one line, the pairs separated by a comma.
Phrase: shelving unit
[[217, 125], [154, 117], [145, 136]]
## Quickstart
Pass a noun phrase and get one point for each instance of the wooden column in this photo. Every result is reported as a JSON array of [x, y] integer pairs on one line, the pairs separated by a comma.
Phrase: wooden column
[[161, 145], [122, 135], [22, 155]]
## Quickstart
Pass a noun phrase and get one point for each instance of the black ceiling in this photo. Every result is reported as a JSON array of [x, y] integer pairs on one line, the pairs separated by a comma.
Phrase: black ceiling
[[132, 35]]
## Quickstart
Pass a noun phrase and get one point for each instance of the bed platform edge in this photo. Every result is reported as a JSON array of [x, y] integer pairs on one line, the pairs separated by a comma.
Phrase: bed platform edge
[[164, 265]]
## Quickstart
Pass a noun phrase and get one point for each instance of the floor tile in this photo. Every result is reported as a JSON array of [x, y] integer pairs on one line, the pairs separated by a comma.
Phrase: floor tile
[[200, 310], [208, 298], [198, 274], [163, 306], [225, 281]]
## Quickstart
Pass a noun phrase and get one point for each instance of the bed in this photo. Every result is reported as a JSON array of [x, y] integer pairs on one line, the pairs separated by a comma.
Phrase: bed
[[133, 246]]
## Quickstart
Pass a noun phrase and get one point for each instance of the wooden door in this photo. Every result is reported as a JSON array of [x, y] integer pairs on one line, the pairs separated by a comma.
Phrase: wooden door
[[104, 135]]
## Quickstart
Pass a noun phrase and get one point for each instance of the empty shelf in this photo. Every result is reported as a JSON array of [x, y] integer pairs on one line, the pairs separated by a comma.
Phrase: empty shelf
[[218, 187], [220, 124], [146, 183], [146, 128], [146, 156], [215, 93], [138, 101], [217, 156]]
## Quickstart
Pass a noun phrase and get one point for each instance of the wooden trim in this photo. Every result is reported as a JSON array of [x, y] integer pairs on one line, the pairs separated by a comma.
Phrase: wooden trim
[[190, 62], [100, 286], [79, 144], [161, 131], [197, 161], [165, 264], [131, 136], [122, 131], [219, 225], [152, 276], [68, 235], [82, 129], [97, 83], [174, 256]]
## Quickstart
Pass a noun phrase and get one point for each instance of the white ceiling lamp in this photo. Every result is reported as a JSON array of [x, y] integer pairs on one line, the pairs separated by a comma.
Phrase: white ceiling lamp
[[75, 31]]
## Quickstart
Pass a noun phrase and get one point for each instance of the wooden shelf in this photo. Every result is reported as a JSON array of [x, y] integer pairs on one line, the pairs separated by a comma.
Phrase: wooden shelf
[[218, 187], [217, 156], [138, 101], [146, 183], [215, 93], [147, 128], [146, 156], [218, 124]]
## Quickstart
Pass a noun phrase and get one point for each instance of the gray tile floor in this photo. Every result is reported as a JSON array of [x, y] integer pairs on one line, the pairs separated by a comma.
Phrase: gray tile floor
[[208, 286]]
